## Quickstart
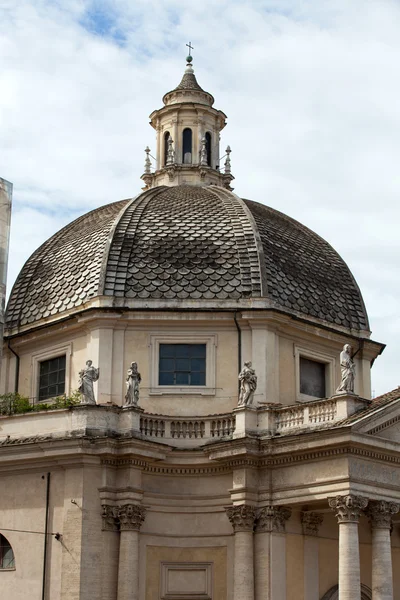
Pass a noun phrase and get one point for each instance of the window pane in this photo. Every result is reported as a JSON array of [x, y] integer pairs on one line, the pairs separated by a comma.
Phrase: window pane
[[167, 350], [198, 350], [182, 364], [44, 381], [182, 378], [182, 350], [198, 379], [53, 378], [312, 378], [198, 364], [166, 379], [167, 364], [44, 367]]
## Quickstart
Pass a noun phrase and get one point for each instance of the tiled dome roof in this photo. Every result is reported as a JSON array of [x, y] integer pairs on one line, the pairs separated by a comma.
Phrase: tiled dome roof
[[172, 245]]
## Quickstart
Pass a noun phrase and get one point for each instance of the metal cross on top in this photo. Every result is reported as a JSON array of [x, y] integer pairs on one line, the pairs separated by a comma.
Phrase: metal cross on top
[[189, 45]]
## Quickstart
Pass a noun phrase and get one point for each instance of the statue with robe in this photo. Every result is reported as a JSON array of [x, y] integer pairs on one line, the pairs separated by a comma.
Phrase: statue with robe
[[348, 370], [87, 377], [248, 385], [132, 385]]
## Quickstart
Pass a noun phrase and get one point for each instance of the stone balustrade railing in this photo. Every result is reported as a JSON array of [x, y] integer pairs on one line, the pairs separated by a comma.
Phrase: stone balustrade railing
[[175, 429], [181, 431], [306, 415]]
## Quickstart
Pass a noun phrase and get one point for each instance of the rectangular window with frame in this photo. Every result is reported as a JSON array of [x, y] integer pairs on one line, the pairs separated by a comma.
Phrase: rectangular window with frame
[[52, 377], [182, 364]]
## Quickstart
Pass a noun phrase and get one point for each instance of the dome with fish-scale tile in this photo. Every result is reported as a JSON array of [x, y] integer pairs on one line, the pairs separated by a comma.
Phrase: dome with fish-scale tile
[[186, 247]]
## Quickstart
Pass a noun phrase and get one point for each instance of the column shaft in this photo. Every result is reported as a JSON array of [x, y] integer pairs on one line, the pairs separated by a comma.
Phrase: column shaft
[[349, 562], [380, 514], [128, 571], [262, 560], [382, 575], [244, 566], [348, 510]]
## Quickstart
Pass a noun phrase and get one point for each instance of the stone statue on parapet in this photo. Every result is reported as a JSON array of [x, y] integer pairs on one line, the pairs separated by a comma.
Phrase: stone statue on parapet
[[87, 377], [248, 385], [132, 385], [348, 370]]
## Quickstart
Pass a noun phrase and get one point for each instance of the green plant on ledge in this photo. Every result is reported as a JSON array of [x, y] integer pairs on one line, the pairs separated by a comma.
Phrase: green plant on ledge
[[15, 404]]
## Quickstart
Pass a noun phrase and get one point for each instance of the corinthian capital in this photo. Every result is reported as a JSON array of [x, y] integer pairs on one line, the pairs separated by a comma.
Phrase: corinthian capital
[[348, 508], [110, 517], [131, 517], [241, 517], [273, 518], [380, 513], [311, 522]]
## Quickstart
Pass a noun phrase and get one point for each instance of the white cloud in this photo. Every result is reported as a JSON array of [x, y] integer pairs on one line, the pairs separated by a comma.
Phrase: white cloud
[[310, 88]]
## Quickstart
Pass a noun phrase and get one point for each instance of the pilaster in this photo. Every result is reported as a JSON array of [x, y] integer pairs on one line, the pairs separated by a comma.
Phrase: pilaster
[[311, 522], [242, 519], [270, 552]]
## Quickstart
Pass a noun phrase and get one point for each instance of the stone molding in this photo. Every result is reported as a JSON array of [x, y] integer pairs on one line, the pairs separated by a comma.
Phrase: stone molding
[[272, 519], [348, 508], [311, 522], [127, 517], [241, 517], [380, 513]]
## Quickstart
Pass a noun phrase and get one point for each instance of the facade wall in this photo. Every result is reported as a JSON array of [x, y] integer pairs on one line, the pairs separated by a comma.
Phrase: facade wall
[[113, 344], [185, 526]]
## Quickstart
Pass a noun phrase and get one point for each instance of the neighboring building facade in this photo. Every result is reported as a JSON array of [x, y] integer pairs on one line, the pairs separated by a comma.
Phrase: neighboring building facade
[[187, 495], [5, 219]]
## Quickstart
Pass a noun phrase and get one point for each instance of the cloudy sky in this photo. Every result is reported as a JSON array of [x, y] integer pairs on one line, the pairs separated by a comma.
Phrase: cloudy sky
[[311, 89]]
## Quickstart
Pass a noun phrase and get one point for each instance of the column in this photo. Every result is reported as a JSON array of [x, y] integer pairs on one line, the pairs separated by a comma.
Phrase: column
[[311, 522], [131, 517], [380, 516], [348, 510], [270, 553], [242, 520], [110, 527]]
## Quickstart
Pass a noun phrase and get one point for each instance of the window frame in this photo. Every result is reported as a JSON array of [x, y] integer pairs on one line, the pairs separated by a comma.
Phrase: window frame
[[185, 338], [38, 357], [330, 369]]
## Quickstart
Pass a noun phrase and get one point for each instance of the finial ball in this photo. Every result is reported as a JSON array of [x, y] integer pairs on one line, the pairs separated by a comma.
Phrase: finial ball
[[189, 58]]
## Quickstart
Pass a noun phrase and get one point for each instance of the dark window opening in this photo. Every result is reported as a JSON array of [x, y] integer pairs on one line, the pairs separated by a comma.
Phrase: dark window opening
[[166, 138], [187, 146], [7, 559], [208, 148], [52, 377], [312, 378], [182, 364]]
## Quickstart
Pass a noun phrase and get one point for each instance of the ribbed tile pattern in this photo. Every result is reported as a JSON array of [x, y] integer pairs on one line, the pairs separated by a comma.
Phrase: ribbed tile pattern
[[304, 273], [187, 242], [65, 271], [184, 242]]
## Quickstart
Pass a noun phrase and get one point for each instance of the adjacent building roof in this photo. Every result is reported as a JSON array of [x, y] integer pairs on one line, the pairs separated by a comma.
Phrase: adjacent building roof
[[187, 243]]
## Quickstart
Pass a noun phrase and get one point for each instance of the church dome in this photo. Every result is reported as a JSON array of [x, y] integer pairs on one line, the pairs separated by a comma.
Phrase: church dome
[[186, 247]]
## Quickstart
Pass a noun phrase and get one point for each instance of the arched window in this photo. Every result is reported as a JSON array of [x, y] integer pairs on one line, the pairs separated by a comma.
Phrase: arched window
[[187, 146], [7, 560], [208, 148], [166, 138]]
